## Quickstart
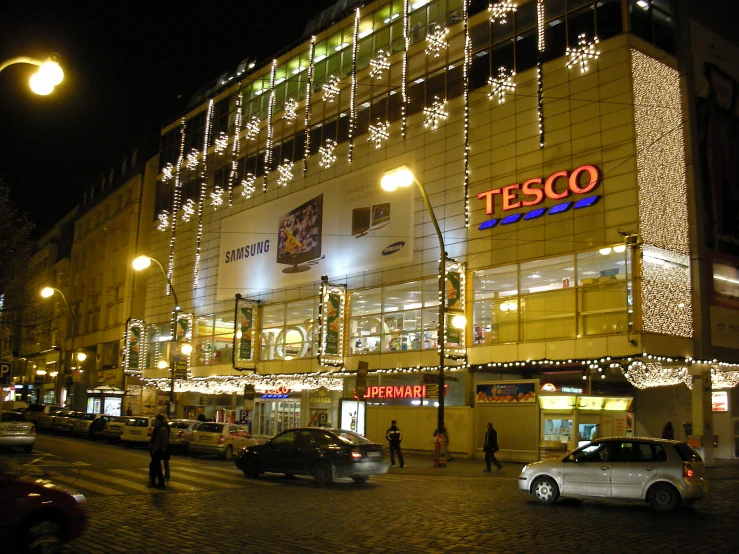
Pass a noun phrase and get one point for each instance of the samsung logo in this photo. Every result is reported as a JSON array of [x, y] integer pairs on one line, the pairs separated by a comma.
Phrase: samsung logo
[[261, 247], [393, 248]]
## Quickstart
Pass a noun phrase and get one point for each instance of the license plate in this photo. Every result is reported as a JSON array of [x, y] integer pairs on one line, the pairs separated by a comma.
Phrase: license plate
[[135, 432], [205, 439], [373, 454]]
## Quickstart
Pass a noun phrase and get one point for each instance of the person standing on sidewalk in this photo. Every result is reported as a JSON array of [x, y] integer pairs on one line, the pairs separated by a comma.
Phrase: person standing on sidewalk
[[165, 456], [490, 447], [157, 447], [447, 452], [394, 438]]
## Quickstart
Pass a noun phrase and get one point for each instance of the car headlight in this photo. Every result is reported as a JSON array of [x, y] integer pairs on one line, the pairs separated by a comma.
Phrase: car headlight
[[80, 498]]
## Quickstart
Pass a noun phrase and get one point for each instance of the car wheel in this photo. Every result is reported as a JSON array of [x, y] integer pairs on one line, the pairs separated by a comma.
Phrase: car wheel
[[321, 472], [545, 490], [663, 497], [360, 480], [250, 467], [228, 453], [28, 449], [43, 536]]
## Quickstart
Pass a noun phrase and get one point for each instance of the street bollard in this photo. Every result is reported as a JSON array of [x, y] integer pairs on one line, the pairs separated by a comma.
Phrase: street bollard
[[439, 450]]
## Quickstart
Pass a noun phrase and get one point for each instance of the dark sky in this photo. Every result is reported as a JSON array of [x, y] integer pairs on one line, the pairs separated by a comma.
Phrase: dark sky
[[126, 64]]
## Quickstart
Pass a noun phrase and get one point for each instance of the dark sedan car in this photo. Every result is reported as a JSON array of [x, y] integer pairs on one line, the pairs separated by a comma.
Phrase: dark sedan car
[[325, 454]]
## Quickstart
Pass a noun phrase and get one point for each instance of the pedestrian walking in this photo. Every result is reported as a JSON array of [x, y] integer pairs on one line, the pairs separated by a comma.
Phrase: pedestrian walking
[[394, 438], [668, 432], [490, 447], [447, 450], [165, 456], [157, 447]]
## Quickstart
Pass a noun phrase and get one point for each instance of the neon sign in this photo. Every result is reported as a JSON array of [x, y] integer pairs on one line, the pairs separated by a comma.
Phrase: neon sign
[[534, 191], [279, 392], [408, 391]]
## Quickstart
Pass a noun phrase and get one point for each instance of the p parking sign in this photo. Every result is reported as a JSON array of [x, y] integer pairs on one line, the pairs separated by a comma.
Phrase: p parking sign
[[5, 373]]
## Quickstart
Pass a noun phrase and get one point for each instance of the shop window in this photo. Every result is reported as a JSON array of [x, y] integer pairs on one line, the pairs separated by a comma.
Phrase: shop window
[[726, 281], [272, 418], [203, 344], [548, 274], [495, 308], [559, 430], [289, 330]]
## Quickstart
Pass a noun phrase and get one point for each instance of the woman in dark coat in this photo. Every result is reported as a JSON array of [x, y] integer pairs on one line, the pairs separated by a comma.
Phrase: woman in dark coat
[[490, 447], [158, 446]]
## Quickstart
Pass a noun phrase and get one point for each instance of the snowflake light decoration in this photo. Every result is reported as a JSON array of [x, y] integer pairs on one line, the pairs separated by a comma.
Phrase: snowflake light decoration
[[286, 172], [167, 173], [188, 210], [379, 133], [435, 42], [327, 154], [291, 111], [331, 89], [192, 159], [584, 52], [379, 64], [216, 197], [435, 113], [163, 220], [503, 84], [252, 129], [723, 379], [249, 187], [221, 143], [500, 10]]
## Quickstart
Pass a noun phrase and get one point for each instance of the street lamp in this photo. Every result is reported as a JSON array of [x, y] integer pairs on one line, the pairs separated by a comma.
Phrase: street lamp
[[49, 73], [403, 177], [48, 292], [139, 264]]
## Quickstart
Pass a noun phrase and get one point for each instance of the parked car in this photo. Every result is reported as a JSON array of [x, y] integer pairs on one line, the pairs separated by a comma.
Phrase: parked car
[[323, 453], [113, 428], [62, 422], [137, 430], [46, 418], [660, 472], [97, 426], [16, 430], [39, 516], [35, 411], [222, 439], [82, 423], [181, 432]]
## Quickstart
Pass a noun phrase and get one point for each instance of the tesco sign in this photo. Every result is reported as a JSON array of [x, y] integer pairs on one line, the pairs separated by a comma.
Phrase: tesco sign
[[557, 186]]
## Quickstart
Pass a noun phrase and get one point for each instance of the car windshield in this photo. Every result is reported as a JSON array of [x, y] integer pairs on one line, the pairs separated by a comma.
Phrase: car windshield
[[687, 454], [211, 427], [350, 437], [179, 424], [88, 417], [138, 422], [13, 416]]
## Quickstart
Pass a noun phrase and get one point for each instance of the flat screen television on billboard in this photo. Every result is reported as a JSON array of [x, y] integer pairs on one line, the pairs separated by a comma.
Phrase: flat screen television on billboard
[[369, 218], [299, 235]]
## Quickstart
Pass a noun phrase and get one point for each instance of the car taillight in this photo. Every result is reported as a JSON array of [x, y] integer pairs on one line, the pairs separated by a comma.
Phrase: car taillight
[[33, 429], [356, 454], [688, 472], [180, 435], [221, 439]]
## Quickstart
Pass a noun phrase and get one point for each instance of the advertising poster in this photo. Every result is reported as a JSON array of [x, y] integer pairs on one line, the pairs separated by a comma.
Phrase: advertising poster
[[134, 344], [332, 324], [454, 291], [182, 328], [245, 323], [133, 353], [506, 392], [331, 229], [331, 338]]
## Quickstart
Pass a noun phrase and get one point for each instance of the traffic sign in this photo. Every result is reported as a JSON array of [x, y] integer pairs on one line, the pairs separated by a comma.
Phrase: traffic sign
[[5, 372]]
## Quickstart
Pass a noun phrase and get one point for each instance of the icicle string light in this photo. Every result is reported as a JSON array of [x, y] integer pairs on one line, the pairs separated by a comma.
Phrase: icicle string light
[[404, 77], [203, 192], [270, 126], [466, 86], [539, 74], [176, 204], [353, 91], [308, 91], [235, 148]]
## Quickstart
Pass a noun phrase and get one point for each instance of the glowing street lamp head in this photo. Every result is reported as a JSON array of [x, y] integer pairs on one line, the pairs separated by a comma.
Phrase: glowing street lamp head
[[459, 321], [186, 349], [401, 177], [162, 364], [49, 75], [47, 292], [142, 262], [81, 356]]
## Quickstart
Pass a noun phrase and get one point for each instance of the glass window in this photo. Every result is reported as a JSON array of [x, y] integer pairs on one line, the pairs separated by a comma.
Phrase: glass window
[[203, 347], [725, 281], [495, 308], [288, 330], [548, 274]]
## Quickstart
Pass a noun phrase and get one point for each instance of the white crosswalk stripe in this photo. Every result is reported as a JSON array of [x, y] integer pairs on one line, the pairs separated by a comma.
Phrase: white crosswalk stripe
[[74, 482], [224, 475], [144, 475]]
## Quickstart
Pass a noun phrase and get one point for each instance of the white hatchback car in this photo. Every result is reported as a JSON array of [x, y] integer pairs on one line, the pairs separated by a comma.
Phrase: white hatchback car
[[16, 430], [137, 430], [222, 439], [660, 472]]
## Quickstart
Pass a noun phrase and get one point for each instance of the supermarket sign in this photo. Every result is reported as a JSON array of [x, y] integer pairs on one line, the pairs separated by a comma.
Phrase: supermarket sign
[[408, 391], [560, 185]]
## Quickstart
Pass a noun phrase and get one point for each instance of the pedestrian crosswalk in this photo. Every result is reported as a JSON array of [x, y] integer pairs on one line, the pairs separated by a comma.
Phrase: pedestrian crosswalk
[[112, 482]]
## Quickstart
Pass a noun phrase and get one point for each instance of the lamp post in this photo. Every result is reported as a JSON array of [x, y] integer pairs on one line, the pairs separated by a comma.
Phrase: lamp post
[[49, 73], [139, 264], [403, 177], [48, 292]]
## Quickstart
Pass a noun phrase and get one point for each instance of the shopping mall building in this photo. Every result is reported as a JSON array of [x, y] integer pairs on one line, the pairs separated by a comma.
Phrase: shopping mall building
[[572, 154]]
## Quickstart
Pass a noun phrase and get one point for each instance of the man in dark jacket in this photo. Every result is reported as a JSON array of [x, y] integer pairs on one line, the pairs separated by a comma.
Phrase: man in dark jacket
[[490, 447], [157, 447], [394, 439]]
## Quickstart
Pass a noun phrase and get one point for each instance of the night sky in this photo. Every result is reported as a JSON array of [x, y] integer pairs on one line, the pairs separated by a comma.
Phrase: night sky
[[130, 68]]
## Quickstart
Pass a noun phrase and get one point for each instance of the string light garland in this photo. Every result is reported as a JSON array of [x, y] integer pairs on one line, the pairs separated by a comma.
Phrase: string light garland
[[435, 40], [539, 73], [252, 129], [327, 154], [582, 53], [502, 84], [203, 192], [379, 64], [291, 111], [286, 173], [167, 173], [308, 92], [499, 11], [435, 113], [331, 89], [249, 186], [163, 218], [236, 147], [723, 379], [188, 210], [221, 143], [404, 76], [466, 92], [353, 90], [176, 204], [379, 132], [270, 126], [666, 292], [655, 374]]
